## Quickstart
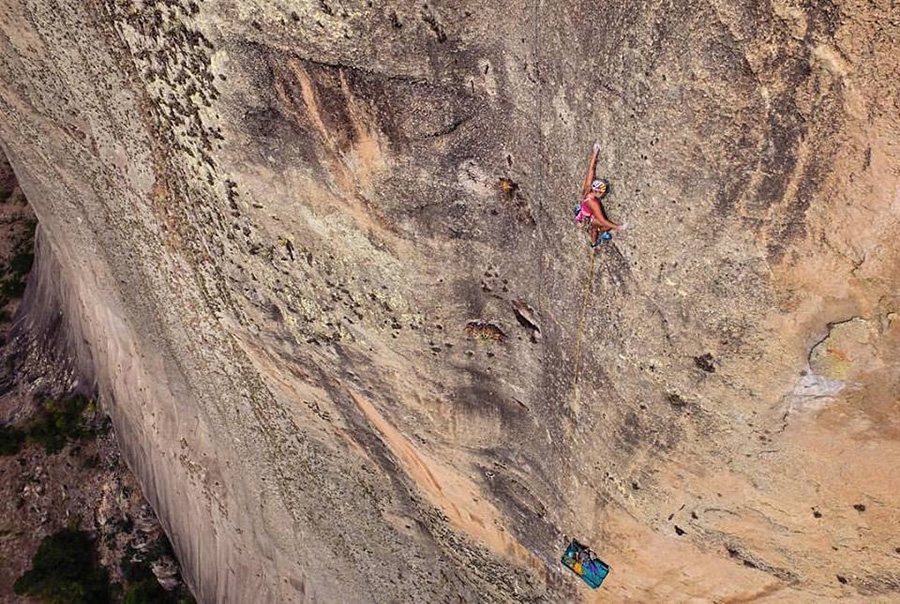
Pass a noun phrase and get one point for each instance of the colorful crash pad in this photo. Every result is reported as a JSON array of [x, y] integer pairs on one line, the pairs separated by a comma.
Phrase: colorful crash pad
[[581, 561]]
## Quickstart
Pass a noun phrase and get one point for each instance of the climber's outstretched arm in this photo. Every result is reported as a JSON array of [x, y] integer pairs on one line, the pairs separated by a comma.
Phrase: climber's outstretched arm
[[590, 173], [601, 221]]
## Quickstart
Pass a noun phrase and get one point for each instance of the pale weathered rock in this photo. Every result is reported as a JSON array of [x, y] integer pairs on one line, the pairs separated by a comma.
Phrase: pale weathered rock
[[254, 214]]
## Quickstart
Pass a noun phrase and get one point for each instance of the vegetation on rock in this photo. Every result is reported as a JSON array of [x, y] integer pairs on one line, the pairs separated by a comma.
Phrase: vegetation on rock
[[65, 570], [11, 440], [59, 422], [143, 585], [14, 276]]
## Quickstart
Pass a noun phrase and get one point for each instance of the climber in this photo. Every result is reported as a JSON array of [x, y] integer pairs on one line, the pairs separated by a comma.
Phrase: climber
[[591, 194]]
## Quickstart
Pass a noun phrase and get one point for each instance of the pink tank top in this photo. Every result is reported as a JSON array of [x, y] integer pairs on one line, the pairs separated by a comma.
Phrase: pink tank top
[[585, 211]]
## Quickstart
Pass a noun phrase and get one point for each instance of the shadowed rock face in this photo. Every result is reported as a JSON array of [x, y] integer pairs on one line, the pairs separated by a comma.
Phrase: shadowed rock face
[[289, 236]]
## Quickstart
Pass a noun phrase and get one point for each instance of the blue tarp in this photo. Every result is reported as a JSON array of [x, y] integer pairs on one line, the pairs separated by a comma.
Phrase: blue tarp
[[581, 561]]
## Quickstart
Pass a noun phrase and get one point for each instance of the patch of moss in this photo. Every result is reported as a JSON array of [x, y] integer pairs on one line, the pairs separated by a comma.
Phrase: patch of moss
[[4, 195], [65, 570]]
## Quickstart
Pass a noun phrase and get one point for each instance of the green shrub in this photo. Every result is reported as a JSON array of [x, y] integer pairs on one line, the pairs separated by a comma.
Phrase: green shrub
[[136, 565], [143, 588], [13, 285], [12, 288], [65, 571], [161, 547], [58, 422], [148, 591], [15, 275], [11, 440], [142, 585], [21, 263]]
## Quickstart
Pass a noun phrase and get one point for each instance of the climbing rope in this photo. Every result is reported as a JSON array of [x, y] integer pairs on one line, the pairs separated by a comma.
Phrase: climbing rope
[[588, 288], [540, 147]]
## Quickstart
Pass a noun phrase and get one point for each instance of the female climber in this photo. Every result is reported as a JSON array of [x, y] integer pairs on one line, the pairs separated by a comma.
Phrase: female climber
[[591, 194]]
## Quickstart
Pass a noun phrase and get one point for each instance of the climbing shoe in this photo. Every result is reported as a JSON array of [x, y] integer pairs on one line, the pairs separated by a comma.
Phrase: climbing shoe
[[603, 237]]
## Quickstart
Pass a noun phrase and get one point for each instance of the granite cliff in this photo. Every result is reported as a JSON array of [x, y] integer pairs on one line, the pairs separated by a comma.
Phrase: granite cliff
[[319, 260]]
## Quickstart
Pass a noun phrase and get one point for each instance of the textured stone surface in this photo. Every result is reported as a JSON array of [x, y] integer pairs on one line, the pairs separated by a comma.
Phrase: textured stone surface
[[275, 221]]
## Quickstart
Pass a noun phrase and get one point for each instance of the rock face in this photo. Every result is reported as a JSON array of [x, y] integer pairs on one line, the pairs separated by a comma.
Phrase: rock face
[[273, 225]]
